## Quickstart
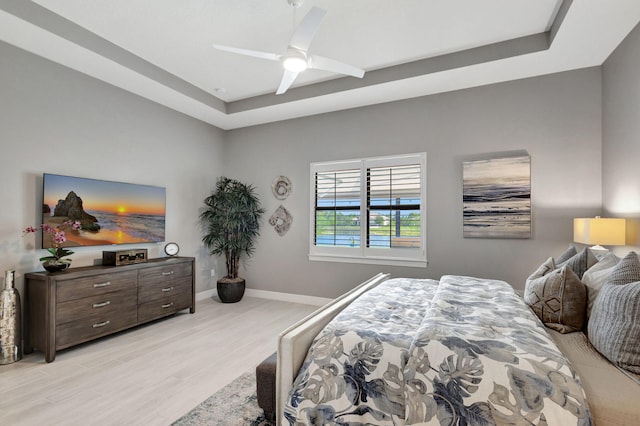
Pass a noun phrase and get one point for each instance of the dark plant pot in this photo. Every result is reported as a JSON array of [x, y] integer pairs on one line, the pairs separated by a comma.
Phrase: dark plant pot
[[230, 291], [52, 266]]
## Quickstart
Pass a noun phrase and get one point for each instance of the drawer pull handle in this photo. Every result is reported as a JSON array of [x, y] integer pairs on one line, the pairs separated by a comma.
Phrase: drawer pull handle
[[101, 324], [100, 305], [167, 305], [167, 289], [164, 274], [107, 284]]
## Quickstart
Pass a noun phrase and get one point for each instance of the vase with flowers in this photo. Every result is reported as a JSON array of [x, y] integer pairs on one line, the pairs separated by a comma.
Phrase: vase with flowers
[[56, 260]]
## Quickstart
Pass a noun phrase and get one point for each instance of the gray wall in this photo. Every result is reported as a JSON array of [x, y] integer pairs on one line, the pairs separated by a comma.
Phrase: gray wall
[[621, 137], [56, 120], [555, 118]]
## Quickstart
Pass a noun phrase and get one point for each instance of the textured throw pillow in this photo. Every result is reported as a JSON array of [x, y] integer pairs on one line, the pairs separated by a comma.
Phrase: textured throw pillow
[[595, 277], [580, 262], [626, 271], [558, 298], [567, 254], [548, 266], [614, 327]]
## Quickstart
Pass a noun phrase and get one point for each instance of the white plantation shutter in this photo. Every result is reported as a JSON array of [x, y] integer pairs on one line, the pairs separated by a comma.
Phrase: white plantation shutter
[[394, 198], [337, 208], [369, 210]]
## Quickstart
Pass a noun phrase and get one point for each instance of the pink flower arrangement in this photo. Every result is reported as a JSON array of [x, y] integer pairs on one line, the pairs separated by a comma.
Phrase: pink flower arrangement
[[57, 237]]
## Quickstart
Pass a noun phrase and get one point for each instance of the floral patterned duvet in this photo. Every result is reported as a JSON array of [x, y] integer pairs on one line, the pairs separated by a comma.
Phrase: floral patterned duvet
[[459, 351]]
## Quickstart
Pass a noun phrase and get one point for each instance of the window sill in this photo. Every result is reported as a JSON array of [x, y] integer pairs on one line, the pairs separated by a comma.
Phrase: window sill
[[369, 260]]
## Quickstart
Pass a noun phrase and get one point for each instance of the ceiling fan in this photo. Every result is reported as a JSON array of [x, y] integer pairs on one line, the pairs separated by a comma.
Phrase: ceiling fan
[[297, 59]]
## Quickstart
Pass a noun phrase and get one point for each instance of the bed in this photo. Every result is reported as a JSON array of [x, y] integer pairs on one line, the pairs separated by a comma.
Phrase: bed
[[460, 350]]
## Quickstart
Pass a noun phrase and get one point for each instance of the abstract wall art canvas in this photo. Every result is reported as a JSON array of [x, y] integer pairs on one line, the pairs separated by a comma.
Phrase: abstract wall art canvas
[[497, 198]]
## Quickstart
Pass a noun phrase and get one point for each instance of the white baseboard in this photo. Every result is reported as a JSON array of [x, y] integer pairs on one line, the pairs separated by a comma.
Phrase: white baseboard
[[288, 297], [207, 294], [273, 295]]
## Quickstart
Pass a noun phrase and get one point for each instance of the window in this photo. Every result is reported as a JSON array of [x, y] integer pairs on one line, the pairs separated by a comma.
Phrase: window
[[369, 210]]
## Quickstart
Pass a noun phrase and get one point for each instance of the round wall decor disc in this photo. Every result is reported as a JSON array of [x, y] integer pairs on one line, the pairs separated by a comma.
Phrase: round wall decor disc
[[281, 187]]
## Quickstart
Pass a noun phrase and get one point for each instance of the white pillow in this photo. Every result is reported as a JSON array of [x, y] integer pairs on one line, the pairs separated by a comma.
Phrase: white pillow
[[596, 276]]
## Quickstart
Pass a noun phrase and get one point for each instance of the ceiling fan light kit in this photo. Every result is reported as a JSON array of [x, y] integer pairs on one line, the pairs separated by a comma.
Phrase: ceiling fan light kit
[[294, 61], [297, 58]]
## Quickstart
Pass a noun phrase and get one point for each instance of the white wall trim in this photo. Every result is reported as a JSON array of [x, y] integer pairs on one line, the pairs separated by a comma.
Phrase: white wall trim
[[203, 295], [272, 295]]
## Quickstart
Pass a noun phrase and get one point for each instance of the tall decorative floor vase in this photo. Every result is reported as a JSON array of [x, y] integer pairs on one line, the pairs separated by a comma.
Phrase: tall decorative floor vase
[[10, 320]]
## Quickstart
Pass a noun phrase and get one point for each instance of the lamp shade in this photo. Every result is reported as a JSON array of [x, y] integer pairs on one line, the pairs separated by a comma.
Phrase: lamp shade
[[600, 231]]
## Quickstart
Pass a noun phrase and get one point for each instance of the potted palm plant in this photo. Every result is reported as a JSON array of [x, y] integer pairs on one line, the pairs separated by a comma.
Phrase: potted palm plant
[[232, 223]]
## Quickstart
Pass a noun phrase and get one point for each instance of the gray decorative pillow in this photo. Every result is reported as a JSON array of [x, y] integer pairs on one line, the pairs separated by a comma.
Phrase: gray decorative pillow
[[626, 271], [614, 327], [548, 266], [567, 254], [595, 277], [580, 262], [558, 298]]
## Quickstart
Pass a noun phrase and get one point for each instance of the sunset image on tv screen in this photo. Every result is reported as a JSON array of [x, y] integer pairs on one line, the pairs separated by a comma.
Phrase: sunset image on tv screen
[[108, 212]]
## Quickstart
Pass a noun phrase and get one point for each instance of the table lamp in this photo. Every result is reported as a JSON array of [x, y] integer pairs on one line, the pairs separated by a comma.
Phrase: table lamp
[[599, 231]]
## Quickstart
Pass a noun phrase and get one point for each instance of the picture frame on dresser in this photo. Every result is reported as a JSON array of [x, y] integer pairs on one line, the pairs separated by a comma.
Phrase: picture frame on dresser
[[82, 304]]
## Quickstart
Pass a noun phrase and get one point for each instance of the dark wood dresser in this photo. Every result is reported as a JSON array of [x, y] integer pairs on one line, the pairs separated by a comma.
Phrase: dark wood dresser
[[64, 309]]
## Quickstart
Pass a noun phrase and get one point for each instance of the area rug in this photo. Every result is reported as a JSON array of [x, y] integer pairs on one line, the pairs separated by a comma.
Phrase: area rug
[[234, 405]]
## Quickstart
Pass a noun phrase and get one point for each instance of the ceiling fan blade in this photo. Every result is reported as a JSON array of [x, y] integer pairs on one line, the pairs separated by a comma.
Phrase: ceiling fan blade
[[247, 52], [307, 28], [286, 82], [327, 64]]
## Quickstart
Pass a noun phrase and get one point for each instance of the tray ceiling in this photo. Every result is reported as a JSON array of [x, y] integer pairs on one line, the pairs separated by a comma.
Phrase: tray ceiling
[[162, 49]]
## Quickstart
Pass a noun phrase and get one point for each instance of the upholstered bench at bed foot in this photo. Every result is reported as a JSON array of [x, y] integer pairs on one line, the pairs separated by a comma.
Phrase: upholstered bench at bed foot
[[266, 386]]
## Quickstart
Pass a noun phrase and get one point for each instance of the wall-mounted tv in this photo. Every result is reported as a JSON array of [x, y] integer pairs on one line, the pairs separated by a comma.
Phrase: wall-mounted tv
[[109, 212]]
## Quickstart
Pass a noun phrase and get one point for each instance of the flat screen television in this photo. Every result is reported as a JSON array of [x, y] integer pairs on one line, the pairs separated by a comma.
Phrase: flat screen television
[[109, 212]]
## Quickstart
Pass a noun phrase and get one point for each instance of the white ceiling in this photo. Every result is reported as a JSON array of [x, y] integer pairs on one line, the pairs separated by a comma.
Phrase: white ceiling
[[161, 49]]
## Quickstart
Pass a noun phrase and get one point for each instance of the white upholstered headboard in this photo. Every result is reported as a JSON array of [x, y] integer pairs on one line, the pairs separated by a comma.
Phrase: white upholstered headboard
[[294, 342]]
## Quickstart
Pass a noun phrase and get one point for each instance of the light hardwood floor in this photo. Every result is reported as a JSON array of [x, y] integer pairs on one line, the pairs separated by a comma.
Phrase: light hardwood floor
[[151, 375]]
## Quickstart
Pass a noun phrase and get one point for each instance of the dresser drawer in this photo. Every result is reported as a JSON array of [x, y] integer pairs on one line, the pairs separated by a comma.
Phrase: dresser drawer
[[161, 290], [95, 285], [167, 306], [165, 273], [103, 304], [95, 326]]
